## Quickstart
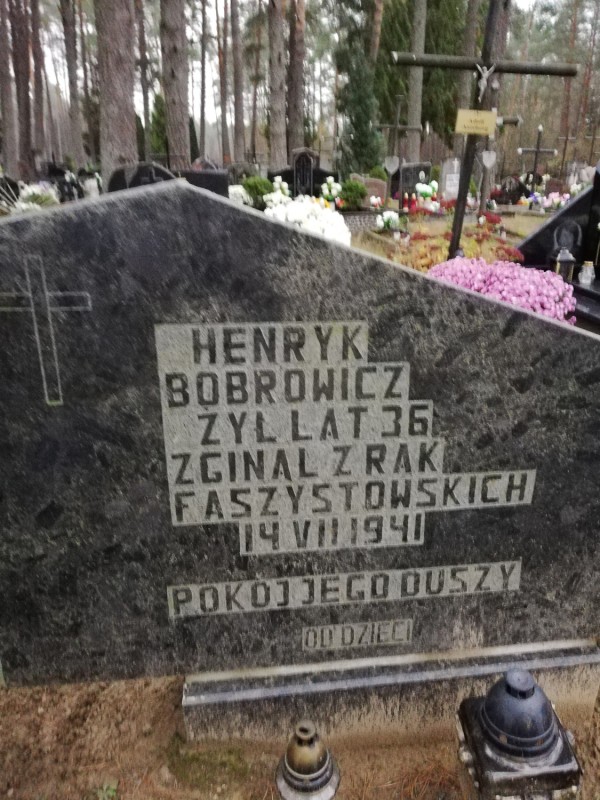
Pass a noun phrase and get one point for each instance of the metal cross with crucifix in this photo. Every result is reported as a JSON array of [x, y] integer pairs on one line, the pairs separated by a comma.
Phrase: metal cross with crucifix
[[537, 150], [485, 66], [35, 299]]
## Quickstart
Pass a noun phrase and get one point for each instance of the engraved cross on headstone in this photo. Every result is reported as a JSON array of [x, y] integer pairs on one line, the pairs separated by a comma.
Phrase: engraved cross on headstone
[[43, 305]]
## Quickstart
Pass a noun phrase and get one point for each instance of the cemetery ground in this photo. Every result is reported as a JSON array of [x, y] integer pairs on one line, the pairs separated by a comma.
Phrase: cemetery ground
[[429, 238], [124, 741]]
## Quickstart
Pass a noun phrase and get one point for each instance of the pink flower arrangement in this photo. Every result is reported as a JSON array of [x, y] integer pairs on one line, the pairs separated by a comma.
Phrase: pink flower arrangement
[[541, 291]]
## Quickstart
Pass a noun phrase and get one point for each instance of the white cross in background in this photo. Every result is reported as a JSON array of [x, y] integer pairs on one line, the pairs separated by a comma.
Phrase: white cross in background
[[42, 305]]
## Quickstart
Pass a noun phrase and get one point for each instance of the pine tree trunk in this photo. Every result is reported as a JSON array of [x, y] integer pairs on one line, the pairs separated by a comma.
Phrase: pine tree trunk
[[376, 30], [19, 18], [39, 137], [202, 142], [53, 140], [116, 57], [277, 143], [173, 44], [565, 117], [415, 81], [87, 105], [296, 77], [222, 52], [255, 82], [239, 139], [582, 111], [143, 53], [10, 141], [67, 12], [465, 78]]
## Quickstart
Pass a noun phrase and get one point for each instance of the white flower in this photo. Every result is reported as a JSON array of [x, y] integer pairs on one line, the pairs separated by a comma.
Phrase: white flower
[[311, 215], [380, 222], [329, 180], [238, 194], [481, 220]]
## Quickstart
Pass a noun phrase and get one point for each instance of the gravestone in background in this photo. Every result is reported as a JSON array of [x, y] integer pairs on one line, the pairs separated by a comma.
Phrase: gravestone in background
[[229, 446], [375, 186], [450, 178], [133, 175], [408, 175], [304, 162], [575, 226], [213, 180]]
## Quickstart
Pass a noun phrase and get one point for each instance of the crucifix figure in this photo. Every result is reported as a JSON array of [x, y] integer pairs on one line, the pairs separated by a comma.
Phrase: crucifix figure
[[36, 300], [537, 150], [483, 80], [485, 65]]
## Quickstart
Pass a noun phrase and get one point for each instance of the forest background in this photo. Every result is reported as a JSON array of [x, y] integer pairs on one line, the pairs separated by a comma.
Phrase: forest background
[[108, 82]]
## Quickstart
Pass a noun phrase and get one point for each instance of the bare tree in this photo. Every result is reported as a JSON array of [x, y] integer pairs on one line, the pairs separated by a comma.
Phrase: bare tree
[[277, 143], [565, 115], [465, 78], [87, 103], [203, 49], [10, 142], [239, 138], [116, 74], [296, 76], [415, 81], [19, 19], [39, 137], [256, 78], [173, 44], [222, 53], [67, 12], [144, 82], [376, 30]]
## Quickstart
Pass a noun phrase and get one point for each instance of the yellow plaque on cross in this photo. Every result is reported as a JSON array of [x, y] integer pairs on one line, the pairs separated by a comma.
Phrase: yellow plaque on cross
[[479, 123]]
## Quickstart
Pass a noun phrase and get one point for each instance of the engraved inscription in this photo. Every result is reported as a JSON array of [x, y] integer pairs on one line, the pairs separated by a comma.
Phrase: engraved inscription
[[290, 433], [357, 634], [311, 591]]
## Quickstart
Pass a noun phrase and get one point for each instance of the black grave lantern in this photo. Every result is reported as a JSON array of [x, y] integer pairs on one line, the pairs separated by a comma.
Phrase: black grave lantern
[[512, 744], [565, 263]]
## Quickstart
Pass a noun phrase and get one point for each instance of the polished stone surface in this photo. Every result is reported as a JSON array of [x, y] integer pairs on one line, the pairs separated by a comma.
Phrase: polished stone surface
[[115, 558], [575, 227]]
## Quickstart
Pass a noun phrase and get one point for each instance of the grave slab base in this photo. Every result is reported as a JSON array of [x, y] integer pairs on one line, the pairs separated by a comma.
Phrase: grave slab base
[[402, 698]]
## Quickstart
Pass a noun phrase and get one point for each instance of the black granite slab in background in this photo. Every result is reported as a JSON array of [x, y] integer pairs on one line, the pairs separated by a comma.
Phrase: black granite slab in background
[[575, 226], [87, 544]]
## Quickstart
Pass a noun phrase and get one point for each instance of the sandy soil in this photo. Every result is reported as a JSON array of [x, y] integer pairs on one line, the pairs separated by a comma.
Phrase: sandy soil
[[124, 740]]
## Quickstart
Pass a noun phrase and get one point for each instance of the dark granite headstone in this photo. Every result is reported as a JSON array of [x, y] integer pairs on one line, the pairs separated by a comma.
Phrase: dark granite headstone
[[134, 175], [231, 444], [575, 225], [304, 163], [408, 175], [213, 180]]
